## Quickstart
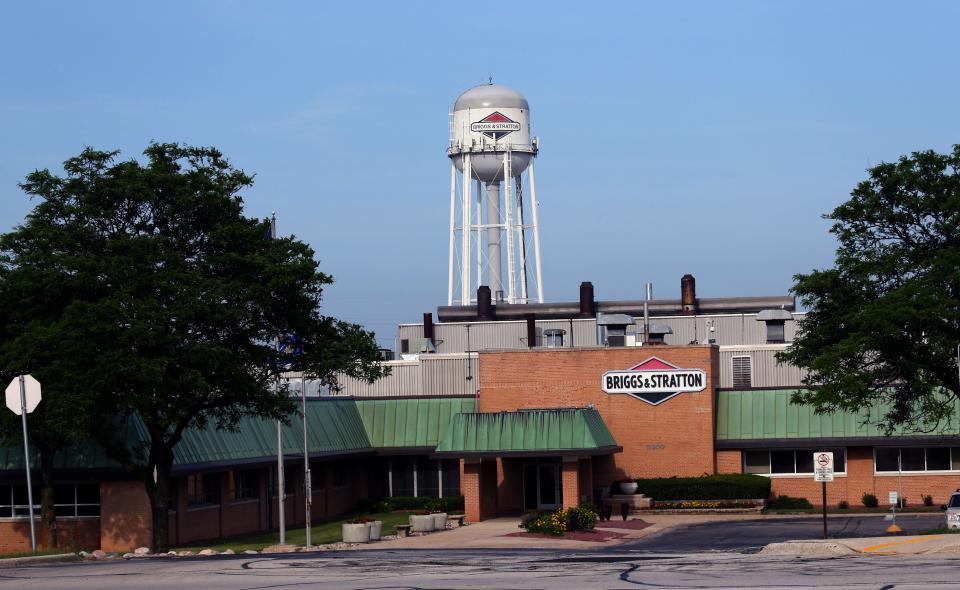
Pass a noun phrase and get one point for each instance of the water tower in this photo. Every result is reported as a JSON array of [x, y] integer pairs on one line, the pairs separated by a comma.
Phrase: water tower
[[490, 149]]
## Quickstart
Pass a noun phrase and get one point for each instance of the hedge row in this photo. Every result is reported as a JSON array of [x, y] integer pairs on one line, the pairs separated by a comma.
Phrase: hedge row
[[446, 504], [729, 486]]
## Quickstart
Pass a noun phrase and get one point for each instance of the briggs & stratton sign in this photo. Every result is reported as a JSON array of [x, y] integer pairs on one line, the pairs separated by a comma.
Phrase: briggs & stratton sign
[[654, 381], [495, 125]]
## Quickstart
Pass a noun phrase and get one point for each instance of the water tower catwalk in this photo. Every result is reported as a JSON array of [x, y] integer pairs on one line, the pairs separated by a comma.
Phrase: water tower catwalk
[[490, 149]]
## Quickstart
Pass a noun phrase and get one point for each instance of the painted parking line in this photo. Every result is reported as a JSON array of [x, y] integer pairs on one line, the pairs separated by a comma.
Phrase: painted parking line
[[895, 543]]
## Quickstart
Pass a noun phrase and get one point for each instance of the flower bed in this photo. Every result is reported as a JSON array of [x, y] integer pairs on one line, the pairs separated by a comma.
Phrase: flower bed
[[562, 521]]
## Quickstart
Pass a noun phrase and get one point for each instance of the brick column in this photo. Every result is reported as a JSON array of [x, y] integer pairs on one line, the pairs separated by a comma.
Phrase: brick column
[[125, 518], [470, 483], [571, 482]]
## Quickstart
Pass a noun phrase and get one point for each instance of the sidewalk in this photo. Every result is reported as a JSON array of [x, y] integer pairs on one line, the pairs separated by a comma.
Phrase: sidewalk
[[911, 545], [492, 534]]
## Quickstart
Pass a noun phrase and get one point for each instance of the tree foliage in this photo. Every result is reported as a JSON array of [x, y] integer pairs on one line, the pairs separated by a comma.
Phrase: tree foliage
[[166, 303], [883, 325]]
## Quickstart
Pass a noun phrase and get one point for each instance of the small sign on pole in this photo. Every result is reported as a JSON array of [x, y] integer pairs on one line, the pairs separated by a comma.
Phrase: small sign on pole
[[893, 498], [823, 472], [22, 397]]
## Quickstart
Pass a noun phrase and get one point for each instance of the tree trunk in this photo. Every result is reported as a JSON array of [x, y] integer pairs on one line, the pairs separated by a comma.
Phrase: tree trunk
[[48, 518], [159, 493]]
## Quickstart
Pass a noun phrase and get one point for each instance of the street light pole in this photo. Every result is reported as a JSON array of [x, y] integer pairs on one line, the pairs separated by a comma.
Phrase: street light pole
[[307, 484]]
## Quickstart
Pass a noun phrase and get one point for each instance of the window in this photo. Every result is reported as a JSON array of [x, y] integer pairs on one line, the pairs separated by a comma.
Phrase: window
[[893, 460], [553, 338], [318, 475], [203, 489], [69, 500], [775, 332], [788, 461], [339, 475], [742, 371], [246, 484]]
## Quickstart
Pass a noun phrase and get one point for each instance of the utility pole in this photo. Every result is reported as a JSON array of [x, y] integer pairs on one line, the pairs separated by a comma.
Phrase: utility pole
[[307, 484]]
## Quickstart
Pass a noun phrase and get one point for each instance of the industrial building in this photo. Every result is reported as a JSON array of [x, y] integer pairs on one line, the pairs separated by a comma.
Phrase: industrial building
[[513, 402]]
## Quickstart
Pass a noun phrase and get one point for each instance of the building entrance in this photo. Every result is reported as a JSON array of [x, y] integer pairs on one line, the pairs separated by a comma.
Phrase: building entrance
[[541, 486]]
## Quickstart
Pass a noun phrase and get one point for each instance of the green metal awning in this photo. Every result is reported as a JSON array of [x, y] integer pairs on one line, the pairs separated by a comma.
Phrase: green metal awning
[[755, 416], [412, 422], [336, 427], [561, 431]]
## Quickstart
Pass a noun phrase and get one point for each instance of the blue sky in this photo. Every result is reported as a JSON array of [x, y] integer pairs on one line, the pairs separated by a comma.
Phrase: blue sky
[[699, 137]]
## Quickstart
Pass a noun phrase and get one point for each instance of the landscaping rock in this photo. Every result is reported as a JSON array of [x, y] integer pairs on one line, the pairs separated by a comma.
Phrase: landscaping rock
[[142, 551], [185, 553], [280, 549], [251, 552], [174, 553], [207, 552], [98, 554], [83, 555], [128, 555], [228, 552]]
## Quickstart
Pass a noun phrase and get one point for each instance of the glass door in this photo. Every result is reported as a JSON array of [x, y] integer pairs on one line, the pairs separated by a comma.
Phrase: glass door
[[548, 486]]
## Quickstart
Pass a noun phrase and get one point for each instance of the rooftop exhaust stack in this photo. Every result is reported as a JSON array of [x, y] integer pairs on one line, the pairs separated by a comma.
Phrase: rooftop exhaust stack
[[485, 309], [688, 294], [646, 313], [587, 304], [428, 328]]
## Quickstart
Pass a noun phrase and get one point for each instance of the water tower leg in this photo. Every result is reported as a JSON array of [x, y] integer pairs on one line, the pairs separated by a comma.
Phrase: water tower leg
[[521, 238], [465, 207], [453, 227], [536, 233], [508, 225], [493, 238], [479, 232]]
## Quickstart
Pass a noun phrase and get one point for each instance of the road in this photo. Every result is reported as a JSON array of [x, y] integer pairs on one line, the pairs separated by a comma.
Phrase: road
[[694, 557]]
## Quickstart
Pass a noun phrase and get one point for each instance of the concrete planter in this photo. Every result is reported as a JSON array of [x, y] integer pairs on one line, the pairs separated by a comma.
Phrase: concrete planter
[[439, 521], [376, 527], [421, 523], [355, 533], [628, 487]]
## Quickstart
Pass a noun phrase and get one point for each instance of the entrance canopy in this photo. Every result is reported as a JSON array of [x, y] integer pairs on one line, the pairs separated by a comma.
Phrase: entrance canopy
[[555, 431]]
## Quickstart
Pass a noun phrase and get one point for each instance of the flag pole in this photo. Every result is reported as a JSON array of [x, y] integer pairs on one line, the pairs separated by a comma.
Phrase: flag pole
[[280, 487]]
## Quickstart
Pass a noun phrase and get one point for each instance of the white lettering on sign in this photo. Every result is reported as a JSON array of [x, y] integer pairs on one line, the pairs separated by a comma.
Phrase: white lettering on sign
[[893, 498], [823, 466]]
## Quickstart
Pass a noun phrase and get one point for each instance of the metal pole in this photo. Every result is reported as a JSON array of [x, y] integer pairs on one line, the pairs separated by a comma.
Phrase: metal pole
[[453, 227], [280, 486], [479, 244], [307, 484], [508, 226], [26, 461], [465, 228], [522, 239], [536, 232], [824, 484]]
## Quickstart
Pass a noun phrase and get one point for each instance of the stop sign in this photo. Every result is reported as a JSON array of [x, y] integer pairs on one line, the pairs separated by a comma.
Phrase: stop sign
[[31, 394]]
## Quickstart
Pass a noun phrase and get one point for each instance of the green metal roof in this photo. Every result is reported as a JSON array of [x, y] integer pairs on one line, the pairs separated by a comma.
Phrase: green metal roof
[[768, 414], [335, 427], [413, 422], [528, 431]]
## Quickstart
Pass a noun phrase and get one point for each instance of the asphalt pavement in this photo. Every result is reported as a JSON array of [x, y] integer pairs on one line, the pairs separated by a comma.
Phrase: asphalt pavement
[[752, 535]]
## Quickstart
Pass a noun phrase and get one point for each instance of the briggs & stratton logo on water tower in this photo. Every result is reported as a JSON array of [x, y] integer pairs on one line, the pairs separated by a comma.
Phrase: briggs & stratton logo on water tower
[[495, 125], [654, 381]]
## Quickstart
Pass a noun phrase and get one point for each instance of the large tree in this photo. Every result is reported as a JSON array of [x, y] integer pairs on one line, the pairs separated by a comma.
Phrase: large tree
[[883, 324], [176, 301]]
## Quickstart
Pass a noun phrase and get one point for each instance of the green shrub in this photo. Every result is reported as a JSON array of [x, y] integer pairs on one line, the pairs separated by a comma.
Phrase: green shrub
[[582, 518], [726, 486], [548, 523], [928, 500], [446, 504], [787, 502], [844, 505], [870, 501]]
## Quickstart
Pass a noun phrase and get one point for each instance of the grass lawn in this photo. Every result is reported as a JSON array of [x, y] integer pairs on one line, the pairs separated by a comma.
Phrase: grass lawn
[[854, 510], [328, 532]]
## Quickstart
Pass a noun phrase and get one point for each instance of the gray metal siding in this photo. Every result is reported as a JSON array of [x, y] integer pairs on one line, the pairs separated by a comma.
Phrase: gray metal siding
[[766, 372], [431, 375]]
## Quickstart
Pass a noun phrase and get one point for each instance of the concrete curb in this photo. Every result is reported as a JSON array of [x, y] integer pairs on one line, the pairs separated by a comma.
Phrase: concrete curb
[[38, 560], [807, 548]]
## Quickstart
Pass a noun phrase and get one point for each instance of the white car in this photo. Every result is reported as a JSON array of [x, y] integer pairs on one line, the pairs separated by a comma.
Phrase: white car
[[953, 511]]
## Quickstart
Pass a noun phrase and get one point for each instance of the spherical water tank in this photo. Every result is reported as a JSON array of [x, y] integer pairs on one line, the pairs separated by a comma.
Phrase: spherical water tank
[[489, 120]]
